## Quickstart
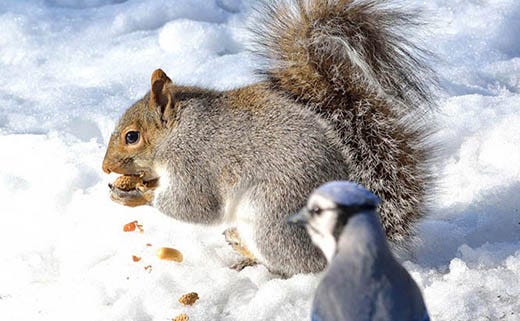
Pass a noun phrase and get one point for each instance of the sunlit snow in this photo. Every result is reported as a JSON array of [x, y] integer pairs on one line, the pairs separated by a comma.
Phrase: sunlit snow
[[69, 68]]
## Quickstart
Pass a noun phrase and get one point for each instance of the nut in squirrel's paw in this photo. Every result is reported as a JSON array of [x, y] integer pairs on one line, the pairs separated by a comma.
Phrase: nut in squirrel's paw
[[127, 182], [132, 190]]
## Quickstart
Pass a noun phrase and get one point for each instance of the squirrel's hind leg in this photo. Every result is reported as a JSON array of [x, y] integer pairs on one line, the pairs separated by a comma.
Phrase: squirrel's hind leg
[[285, 249]]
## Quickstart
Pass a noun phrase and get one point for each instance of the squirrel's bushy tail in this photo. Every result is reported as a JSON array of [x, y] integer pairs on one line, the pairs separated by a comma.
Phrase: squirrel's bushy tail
[[352, 62], [335, 52]]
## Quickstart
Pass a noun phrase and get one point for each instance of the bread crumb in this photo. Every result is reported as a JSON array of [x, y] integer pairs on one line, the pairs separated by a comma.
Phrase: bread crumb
[[189, 298]]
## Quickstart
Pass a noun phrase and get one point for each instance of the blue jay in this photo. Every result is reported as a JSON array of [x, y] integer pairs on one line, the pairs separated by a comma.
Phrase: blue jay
[[364, 281]]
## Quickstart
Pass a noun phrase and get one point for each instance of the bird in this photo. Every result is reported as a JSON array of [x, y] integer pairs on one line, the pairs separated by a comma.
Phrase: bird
[[363, 280]]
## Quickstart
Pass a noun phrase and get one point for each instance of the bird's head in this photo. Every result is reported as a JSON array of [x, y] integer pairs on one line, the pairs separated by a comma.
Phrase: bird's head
[[329, 209]]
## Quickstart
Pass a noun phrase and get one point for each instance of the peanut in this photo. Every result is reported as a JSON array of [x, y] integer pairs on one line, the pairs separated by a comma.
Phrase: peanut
[[127, 182], [167, 253], [189, 298], [181, 317]]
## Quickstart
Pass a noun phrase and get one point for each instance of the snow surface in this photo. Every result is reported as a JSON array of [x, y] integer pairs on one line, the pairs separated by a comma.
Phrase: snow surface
[[69, 68]]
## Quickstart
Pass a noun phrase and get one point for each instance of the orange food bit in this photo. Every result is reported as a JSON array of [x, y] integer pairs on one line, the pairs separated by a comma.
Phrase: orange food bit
[[130, 227]]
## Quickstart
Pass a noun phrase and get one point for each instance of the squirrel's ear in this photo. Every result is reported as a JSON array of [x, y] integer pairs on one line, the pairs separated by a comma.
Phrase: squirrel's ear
[[159, 94]]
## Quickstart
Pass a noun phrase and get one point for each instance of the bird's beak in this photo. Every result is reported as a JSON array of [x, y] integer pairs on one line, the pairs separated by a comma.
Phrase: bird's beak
[[301, 218]]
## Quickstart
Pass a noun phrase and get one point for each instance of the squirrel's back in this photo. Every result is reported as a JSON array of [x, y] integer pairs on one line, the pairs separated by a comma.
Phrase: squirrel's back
[[352, 63]]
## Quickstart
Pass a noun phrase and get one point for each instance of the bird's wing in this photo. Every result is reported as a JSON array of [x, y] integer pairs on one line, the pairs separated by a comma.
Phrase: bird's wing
[[344, 296], [401, 298]]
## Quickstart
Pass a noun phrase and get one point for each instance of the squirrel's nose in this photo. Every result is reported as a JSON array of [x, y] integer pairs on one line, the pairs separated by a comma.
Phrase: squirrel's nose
[[106, 167]]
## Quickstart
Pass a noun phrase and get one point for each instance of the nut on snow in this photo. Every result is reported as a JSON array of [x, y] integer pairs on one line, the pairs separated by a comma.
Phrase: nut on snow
[[181, 317], [167, 253], [189, 298]]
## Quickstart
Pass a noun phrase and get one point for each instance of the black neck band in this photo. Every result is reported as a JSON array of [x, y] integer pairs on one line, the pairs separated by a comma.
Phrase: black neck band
[[348, 211]]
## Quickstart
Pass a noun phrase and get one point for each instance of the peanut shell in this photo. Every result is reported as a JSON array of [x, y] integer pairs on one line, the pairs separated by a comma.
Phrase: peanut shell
[[181, 317], [127, 182], [189, 298]]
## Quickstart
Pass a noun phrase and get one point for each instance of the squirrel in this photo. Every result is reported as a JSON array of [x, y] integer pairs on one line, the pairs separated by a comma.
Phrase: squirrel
[[342, 96]]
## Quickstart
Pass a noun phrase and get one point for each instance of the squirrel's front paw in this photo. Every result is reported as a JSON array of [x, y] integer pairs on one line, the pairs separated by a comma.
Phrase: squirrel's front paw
[[132, 191]]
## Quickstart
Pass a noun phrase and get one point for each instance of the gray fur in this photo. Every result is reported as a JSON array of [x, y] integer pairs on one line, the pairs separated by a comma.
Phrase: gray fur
[[348, 43], [274, 163], [352, 63], [365, 127], [341, 99]]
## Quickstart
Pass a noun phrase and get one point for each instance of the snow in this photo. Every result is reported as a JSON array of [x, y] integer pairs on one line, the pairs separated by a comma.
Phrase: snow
[[71, 67]]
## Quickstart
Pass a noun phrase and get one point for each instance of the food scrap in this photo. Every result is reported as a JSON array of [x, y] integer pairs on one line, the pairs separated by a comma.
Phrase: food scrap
[[148, 268], [167, 253], [136, 258], [132, 226], [181, 317], [189, 298]]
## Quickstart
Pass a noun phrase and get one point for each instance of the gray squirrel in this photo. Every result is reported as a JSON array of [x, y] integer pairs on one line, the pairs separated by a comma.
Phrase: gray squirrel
[[342, 97]]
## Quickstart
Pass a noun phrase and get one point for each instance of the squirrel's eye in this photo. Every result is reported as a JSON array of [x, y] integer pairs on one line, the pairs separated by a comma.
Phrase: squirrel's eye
[[132, 137], [315, 210]]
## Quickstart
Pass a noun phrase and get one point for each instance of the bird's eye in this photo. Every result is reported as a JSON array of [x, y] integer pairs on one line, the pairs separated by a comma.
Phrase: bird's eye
[[315, 210], [132, 137]]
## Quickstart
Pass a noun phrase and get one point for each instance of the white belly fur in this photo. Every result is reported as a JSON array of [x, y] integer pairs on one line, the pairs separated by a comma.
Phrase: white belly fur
[[164, 181]]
